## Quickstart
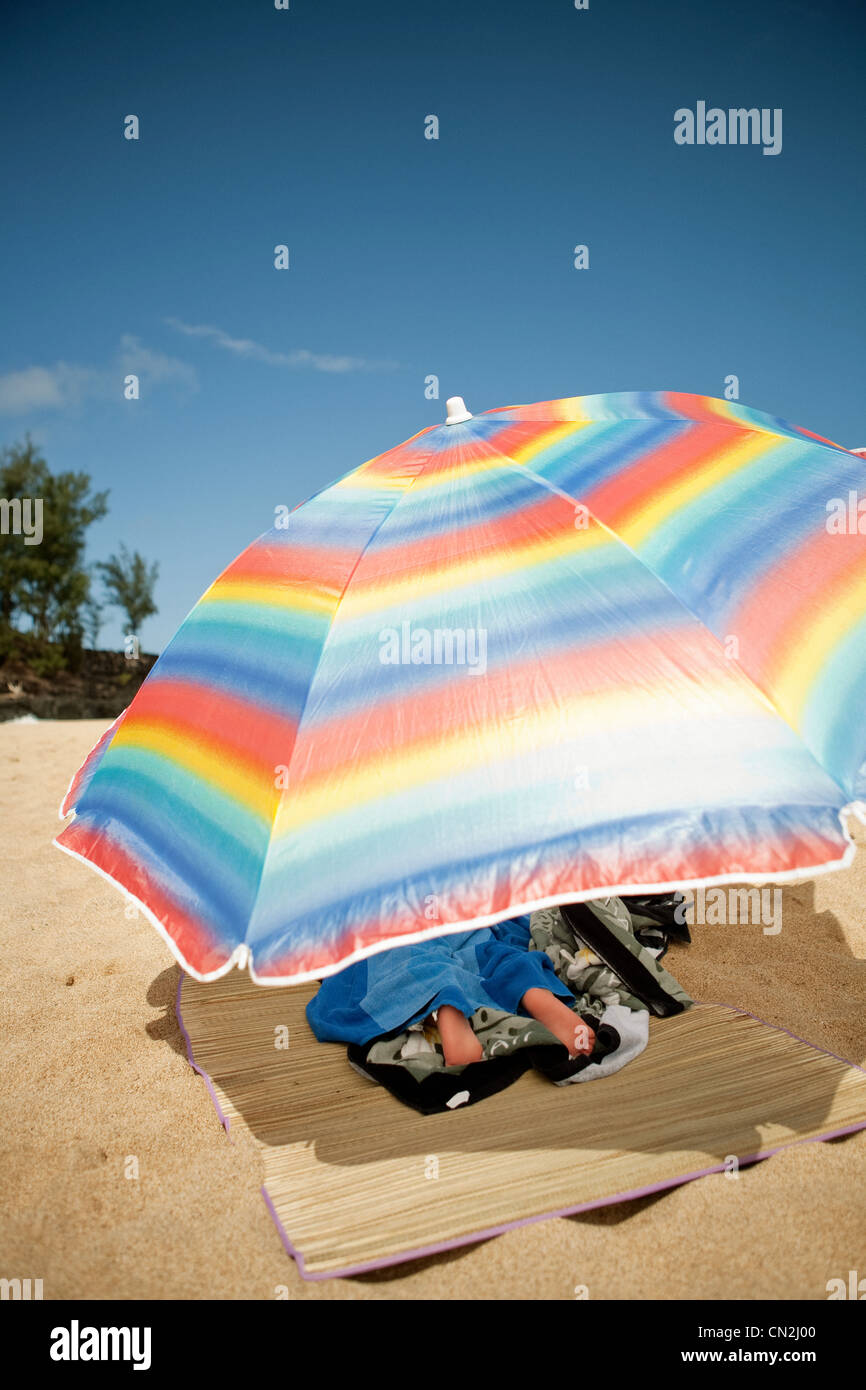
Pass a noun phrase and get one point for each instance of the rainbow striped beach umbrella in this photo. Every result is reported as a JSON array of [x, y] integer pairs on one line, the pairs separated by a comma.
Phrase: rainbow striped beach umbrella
[[533, 656]]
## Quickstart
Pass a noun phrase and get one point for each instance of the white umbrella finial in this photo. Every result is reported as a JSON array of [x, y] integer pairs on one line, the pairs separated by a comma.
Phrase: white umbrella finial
[[457, 412]]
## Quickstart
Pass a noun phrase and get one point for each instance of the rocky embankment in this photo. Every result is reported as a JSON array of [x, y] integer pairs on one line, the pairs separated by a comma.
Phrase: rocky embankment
[[100, 688]]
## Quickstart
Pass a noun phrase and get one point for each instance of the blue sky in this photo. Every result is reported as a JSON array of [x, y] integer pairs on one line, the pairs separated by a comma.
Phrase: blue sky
[[409, 256]]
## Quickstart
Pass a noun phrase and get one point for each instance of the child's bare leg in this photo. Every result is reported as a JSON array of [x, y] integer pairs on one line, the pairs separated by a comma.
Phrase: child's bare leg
[[562, 1021], [459, 1043]]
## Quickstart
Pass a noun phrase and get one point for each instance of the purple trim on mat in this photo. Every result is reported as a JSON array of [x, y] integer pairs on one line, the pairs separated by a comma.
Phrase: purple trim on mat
[[421, 1252], [491, 1231], [223, 1118], [735, 1008]]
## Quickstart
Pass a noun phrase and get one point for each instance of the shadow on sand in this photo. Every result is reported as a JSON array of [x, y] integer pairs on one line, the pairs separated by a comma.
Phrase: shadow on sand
[[769, 976]]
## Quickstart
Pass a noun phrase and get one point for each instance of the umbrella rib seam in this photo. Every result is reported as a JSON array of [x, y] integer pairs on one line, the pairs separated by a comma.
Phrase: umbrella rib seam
[[732, 661], [797, 432]]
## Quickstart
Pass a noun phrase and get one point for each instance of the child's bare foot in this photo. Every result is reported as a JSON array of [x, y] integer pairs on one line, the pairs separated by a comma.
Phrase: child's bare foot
[[459, 1043], [562, 1021]]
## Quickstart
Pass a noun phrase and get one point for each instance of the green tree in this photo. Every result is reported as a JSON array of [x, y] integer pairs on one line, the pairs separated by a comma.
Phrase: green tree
[[46, 582], [92, 620], [129, 583]]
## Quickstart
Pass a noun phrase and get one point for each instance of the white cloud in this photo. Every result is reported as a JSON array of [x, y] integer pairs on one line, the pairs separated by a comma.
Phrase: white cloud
[[152, 366], [65, 385], [45, 388], [299, 357]]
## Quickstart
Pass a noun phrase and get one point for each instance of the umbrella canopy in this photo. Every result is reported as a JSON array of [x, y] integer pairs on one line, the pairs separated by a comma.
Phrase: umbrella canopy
[[550, 652]]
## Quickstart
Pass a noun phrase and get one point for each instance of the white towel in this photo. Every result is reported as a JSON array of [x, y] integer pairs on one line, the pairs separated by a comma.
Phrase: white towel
[[633, 1028]]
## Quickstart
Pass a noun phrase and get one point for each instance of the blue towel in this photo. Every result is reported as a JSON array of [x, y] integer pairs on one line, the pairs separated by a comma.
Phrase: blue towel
[[489, 968]]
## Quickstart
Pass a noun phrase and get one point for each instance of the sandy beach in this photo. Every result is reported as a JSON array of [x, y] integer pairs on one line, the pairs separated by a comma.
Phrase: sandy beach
[[120, 1183]]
